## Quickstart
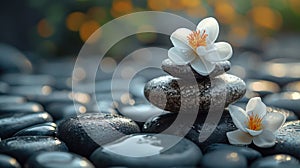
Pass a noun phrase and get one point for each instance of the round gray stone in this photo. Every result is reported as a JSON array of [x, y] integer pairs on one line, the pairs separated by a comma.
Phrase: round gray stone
[[174, 94], [187, 72], [276, 161], [148, 150], [58, 159], [224, 158], [86, 132]]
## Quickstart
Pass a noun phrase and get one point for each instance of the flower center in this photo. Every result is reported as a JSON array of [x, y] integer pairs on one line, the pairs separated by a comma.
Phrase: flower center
[[254, 122], [196, 39]]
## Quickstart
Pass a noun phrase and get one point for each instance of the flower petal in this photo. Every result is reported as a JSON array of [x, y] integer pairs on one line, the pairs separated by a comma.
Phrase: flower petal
[[256, 107], [211, 26], [221, 51], [265, 140], [253, 132], [202, 66], [181, 56], [239, 117], [239, 137], [179, 38], [273, 121]]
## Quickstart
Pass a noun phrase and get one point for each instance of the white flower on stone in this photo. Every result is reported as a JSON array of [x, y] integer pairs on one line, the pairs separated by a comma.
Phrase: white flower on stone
[[254, 124], [198, 47]]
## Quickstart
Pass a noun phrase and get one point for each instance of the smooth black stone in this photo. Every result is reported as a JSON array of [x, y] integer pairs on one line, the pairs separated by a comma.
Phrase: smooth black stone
[[281, 71], [20, 107], [287, 141], [8, 162], [27, 79], [187, 72], [262, 87], [249, 153], [148, 150], [8, 99], [38, 130], [13, 61], [4, 88], [62, 97], [276, 161], [86, 132], [174, 95], [12, 123], [285, 100], [58, 160], [32, 90], [223, 158], [23, 147], [61, 111], [293, 87], [160, 123]]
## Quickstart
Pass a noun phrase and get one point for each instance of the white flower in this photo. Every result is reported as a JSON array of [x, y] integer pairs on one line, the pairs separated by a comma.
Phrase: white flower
[[198, 47], [254, 124]]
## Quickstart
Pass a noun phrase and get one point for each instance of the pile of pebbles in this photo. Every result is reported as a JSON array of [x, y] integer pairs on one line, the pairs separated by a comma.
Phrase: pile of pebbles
[[44, 124]]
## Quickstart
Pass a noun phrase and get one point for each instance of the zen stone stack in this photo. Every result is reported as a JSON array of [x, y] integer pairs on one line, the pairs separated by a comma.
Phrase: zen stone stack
[[185, 90]]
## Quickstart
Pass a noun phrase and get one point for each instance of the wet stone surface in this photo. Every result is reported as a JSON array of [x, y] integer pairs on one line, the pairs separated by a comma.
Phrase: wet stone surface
[[286, 100], [276, 161], [8, 162], [160, 123], [249, 153], [12, 123], [174, 95], [225, 159], [58, 160], [45, 129], [148, 150], [23, 147], [187, 72], [86, 132]]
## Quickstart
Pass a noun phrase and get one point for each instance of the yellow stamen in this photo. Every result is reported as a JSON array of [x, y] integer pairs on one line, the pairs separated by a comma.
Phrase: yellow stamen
[[196, 39], [254, 122]]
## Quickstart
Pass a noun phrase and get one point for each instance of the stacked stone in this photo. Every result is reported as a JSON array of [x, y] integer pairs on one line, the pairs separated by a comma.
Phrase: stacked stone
[[184, 90]]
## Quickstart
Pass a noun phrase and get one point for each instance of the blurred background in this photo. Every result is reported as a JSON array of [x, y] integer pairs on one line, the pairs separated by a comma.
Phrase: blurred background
[[59, 28]]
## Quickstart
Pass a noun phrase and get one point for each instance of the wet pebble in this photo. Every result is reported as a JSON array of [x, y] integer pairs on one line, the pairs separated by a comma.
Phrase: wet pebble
[[20, 107], [10, 124], [276, 161], [287, 141], [62, 97], [262, 87], [148, 150], [187, 72], [280, 70], [86, 132], [224, 158], [249, 153], [285, 100], [58, 159], [23, 147], [173, 94], [9, 99], [32, 90], [141, 112], [4, 87], [8, 162], [61, 111], [191, 130], [47, 129], [28, 79]]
